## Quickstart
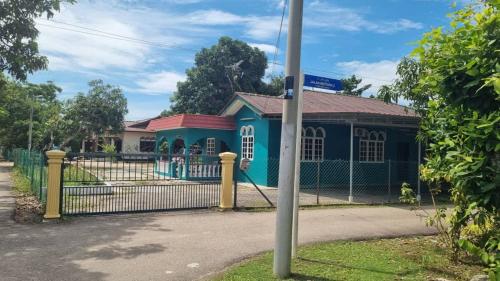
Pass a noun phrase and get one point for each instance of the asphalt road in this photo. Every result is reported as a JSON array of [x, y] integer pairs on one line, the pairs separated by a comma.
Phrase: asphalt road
[[173, 246]]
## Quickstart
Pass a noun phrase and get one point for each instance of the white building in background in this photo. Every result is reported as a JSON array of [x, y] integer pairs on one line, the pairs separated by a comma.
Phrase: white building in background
[[135, 139]]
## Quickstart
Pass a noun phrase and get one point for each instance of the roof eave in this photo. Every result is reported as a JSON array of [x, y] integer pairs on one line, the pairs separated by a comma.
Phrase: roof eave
[[176, 128]]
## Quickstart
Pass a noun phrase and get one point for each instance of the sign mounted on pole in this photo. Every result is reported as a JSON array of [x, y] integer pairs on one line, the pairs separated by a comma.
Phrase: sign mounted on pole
[[322, 82], [288, 88]]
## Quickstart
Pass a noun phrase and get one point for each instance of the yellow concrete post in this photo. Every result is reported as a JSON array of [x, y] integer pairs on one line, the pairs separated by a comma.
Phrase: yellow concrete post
[[54, 184], [226, 192]]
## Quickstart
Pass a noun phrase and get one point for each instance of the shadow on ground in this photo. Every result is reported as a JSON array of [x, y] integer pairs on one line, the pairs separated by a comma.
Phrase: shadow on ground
[[57, 250]]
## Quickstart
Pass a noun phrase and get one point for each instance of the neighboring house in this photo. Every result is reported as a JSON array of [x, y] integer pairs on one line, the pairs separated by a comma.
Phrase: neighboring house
[[250, 125], [135, 139]]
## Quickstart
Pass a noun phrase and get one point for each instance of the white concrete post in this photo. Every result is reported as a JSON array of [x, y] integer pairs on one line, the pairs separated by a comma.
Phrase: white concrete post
[[296, 182], [284, 212]]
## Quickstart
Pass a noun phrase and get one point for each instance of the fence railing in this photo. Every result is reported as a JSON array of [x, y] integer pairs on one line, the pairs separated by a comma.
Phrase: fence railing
[[366, 176], [100, 167], [32, 165]]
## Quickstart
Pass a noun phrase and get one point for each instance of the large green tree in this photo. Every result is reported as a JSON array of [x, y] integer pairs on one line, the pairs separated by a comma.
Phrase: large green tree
[[405, 85], [351, 86], [16, 100], [219, 71], [102, 109], [19, 54], [454, 82]]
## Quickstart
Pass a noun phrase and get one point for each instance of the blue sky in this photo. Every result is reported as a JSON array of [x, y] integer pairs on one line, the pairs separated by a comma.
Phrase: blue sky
[[159, 40]]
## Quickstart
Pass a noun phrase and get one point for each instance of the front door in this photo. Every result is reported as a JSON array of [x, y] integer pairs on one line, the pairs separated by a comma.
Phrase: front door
[[402, 157]]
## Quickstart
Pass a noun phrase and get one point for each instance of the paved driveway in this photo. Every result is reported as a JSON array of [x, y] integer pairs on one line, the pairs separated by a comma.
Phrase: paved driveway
[[172, 246]]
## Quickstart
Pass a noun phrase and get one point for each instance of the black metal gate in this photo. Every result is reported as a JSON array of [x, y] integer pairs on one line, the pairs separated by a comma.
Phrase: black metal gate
[[106, 183], [104, 199]]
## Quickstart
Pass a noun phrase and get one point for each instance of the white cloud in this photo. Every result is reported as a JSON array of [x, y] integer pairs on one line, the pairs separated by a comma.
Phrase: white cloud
[[394, 26], [255, 27], [81, 37], [268, 48], [163, 82], [280, 4], [71, 49], [264, 28], [323, 15], [181, 2], [213, 17], [376, 73], [93, 35]]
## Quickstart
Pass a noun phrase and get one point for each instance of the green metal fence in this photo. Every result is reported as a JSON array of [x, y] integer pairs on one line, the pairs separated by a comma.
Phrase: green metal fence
[[32, 164], [366, 176]]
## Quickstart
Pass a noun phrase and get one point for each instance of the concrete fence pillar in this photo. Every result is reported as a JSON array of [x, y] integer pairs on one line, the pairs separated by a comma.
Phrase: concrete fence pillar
[[54, 184], [226, 191]]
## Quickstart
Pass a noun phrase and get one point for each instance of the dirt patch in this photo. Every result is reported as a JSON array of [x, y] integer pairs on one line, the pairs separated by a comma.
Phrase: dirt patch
[[28, 210]]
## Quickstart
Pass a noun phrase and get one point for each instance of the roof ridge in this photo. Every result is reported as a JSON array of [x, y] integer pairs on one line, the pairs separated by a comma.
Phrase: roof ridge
[[325, 93], [200, 114], [346, 95], [258, 95]]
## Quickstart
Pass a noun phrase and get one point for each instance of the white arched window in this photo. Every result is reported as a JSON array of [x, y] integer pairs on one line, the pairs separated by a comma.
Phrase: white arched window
[[312, 144], [247, 141], [371, 146]]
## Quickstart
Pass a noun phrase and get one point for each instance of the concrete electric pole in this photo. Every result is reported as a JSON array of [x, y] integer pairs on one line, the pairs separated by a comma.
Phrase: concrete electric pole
[[296, 181], [284, 214], [30, 128]]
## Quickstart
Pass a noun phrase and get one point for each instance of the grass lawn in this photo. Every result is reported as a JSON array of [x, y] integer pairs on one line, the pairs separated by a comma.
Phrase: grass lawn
[[417, 258], [75, 176]]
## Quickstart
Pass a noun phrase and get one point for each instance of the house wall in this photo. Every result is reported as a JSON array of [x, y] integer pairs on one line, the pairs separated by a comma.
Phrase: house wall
[[194, 135], [131, 140], [259, 165], [335, 170]]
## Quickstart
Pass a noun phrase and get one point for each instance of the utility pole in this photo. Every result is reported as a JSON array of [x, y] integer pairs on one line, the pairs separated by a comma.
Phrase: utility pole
[[30, 130], [296, 181], [284, 214]]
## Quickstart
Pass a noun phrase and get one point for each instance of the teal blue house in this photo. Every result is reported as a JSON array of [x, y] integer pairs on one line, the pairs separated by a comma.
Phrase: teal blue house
[[345, 140]]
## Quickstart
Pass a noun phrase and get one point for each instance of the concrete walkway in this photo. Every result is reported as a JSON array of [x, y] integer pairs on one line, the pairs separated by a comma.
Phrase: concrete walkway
[[176, 245], [7, 198]]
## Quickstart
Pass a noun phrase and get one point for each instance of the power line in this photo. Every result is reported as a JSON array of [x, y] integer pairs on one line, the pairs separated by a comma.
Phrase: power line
[[100, 33], [109, 35], [276, 48]]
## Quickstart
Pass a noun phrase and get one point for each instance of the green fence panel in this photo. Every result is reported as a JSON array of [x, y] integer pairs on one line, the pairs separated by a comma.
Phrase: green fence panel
[[33, 166]]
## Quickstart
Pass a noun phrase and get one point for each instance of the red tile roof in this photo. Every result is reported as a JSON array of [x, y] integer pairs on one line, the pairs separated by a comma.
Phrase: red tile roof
[[192, 121], [325, 103]]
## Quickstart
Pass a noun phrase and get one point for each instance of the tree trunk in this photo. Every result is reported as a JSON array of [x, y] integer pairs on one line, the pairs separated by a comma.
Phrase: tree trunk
[[95, 143]]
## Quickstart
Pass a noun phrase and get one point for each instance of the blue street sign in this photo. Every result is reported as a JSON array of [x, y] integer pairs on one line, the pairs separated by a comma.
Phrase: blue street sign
[[322, 82]]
